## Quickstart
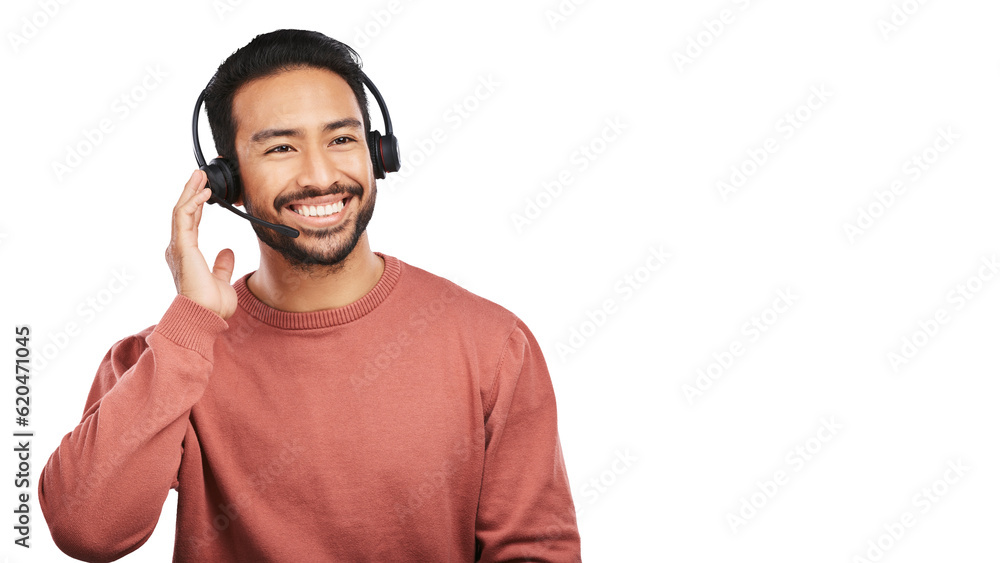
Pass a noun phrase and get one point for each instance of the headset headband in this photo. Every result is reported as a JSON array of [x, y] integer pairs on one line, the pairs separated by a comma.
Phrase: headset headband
[[199, 156]]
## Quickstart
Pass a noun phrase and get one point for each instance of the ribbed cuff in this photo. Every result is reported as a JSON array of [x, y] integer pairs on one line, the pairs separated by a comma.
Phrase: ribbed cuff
[[190, 325]]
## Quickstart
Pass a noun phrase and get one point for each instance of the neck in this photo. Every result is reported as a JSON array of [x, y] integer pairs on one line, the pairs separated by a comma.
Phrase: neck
[[289, 287]]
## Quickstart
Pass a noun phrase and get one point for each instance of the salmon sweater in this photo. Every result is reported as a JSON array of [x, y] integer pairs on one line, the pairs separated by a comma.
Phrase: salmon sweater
[[415, 424]]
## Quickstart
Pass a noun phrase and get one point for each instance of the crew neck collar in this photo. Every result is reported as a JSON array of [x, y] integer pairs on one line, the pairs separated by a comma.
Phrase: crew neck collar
[[325, 318]]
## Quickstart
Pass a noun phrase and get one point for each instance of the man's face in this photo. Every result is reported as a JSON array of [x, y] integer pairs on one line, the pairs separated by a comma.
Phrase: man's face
[[304, 163]]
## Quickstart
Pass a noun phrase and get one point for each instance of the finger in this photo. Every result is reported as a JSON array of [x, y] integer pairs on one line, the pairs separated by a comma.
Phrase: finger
[[200, 190], [197, 212], [185, 225], [191, 189], [185, 212], [224, 264], [192, 186]]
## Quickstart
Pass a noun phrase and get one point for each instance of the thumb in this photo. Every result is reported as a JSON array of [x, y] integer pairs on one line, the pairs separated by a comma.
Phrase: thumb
[[224, 264]]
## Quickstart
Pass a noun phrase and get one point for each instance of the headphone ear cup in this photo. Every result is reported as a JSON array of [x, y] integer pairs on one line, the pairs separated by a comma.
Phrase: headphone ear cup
[[385, 153], [390, 153], [374, 149], [223, 180]]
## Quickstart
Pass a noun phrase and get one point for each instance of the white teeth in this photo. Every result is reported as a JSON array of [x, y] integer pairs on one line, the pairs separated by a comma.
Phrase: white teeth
[[318, 211]]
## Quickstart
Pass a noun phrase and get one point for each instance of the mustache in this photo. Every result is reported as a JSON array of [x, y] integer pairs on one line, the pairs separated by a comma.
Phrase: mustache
[[335, 189]]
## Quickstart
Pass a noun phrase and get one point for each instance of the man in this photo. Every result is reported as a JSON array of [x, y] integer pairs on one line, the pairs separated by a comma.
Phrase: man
[[336, 404]]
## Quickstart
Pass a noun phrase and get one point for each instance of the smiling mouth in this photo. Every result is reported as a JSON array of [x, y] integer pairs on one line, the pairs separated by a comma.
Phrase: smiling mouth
[[320, 207]]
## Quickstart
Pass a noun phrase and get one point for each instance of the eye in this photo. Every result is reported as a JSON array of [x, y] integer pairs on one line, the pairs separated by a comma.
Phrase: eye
[[279, 149], [342, 140]]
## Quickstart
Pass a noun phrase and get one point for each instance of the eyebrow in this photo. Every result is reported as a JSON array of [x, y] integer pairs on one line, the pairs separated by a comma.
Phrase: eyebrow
[[265, 134]]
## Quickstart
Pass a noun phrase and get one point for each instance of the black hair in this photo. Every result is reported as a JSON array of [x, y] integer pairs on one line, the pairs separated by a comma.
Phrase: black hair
[[269, 54]]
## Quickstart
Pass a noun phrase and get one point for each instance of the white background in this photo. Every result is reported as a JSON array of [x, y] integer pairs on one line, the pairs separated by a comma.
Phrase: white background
[[692, 464]]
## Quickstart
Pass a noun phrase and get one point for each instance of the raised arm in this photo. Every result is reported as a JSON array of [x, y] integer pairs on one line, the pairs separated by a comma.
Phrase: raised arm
[[102, 490]]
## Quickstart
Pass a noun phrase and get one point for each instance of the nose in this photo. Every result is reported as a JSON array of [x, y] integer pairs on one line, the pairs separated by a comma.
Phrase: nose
[[319, 169]]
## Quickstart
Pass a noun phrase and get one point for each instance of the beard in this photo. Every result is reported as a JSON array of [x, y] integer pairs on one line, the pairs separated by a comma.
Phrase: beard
[[331, 245]]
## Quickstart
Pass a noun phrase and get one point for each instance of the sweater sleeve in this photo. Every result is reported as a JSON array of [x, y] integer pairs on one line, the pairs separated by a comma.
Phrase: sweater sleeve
[[103, 488], [526, 510]]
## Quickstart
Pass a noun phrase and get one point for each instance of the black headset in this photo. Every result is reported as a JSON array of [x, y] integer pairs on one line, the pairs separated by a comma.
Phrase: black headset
[[224, 178]]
